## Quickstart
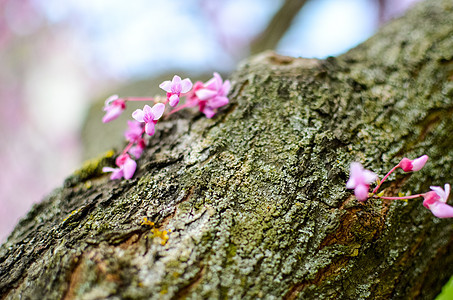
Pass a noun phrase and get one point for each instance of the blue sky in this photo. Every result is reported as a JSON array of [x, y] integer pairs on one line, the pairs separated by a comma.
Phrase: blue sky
[[139, 38]]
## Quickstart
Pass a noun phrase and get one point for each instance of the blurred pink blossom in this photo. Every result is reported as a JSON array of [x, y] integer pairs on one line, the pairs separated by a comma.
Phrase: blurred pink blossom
[[138, 149], [149, 116], [436, 201], [113, 108], [360, 180], [413, 165], [126, 167], [210, 96], [175, 88], [134, 131]]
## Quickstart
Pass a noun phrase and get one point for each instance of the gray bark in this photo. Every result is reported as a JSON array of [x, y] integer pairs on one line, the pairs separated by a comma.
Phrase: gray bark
[[256, 197]]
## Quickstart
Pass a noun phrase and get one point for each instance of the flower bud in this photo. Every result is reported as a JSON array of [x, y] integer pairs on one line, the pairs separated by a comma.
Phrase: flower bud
[[413, 165]]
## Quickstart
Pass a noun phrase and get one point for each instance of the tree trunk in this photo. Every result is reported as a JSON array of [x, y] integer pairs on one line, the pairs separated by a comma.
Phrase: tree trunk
[[277, 27], [255, 198]]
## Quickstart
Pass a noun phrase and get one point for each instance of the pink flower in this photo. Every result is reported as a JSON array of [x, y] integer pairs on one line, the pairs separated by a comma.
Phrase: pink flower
[[211, 95], [126, 167], [360, 180], [113, 107], [134, 135], [134, 131], [149, 116], [175, 88], [138, 149], [413, 165], [436, 201]]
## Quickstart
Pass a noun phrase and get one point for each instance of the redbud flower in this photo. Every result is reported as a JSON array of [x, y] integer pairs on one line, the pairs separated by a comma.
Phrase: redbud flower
[[413, 165], [149, 116], [175, 88], [126, 167], [134, 131], [137, 150], [212, 95], [436, 201], [360, 180], [113, 107], [192, 97]]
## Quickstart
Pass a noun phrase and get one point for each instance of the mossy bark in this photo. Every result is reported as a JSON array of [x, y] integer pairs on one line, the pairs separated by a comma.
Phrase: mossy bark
[[255, 198]]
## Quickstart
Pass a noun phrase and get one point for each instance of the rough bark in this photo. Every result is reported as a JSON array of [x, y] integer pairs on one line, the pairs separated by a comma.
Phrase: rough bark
[[256, 197]]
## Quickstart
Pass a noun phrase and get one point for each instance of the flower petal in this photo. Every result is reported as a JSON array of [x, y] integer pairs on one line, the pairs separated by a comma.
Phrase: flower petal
[[441, 210], [217, 102], [166, 86], [351, 183], [211, 84], [176, 85], [418, 163], [356, 168], [218, 81], [158, 110], [138, 115], [186, 85], [176, 80], [109, 100], [129, 168], [147, 109], [361, 192], [136, 151], [226, 87], [369, 176], [117, 173], [447, 190], [204, 94], [209, 112], [134, 131], [112, 112], [441, 193], [149, 128], [174, 100]]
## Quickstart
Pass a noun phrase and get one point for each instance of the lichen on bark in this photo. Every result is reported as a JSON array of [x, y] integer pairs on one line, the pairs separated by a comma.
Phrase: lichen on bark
[[255, 197]]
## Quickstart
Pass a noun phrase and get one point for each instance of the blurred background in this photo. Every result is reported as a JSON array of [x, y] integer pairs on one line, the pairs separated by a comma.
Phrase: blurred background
[[59, 58]]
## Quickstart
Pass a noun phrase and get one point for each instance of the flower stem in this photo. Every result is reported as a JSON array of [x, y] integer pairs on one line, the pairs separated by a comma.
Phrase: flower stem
[[399, 198], [187, 104], [383, 179], [140, 99], [127, 148]]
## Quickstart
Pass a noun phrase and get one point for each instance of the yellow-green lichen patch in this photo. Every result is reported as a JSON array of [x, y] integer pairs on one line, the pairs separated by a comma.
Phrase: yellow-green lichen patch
[[71, 214], [162, 235], [91, 169]]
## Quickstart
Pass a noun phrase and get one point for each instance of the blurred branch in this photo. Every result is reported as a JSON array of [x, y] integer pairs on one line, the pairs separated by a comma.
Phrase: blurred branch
[[277, 27]]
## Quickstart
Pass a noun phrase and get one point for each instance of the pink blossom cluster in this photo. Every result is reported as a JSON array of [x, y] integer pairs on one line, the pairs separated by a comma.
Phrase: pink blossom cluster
[[208, 96], [435, 200]]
